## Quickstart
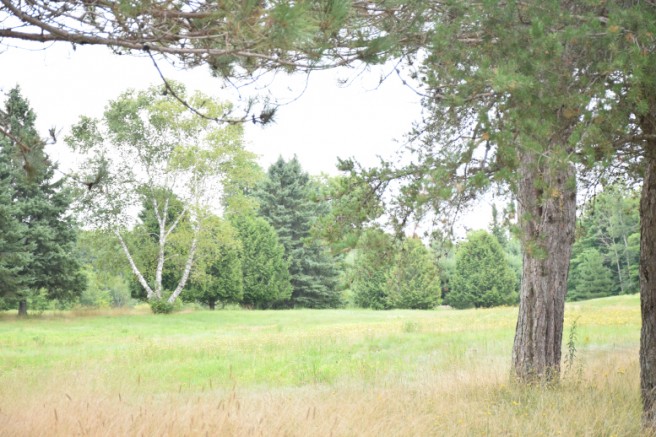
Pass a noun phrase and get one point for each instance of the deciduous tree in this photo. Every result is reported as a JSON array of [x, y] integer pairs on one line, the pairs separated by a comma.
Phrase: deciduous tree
[[149, 146]]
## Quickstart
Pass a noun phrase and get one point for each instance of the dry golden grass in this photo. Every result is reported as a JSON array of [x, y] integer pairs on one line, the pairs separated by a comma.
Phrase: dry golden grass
[[457, 385], [602, 401]]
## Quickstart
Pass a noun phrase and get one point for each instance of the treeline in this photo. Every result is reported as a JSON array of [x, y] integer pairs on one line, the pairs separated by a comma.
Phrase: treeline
[[280, 239]]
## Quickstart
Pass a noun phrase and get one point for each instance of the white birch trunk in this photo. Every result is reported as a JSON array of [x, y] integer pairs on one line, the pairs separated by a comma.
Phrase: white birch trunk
[[161, 221], [187, 269], [149, 291]]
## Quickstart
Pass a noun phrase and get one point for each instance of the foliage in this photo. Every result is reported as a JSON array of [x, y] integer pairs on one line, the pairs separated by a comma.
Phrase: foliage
[[374, 259], [161, 306], [482, 277], [45, 263], [443, 250], [13, 254], [280, 35], [266, 279], [350, 206], [610, 226], [590, 278], [94, 295], [286, 202], [218, 276], [164, 157], [413, 281]]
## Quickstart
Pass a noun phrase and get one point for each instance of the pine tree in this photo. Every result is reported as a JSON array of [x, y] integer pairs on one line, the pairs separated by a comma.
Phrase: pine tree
[[482, 277], [265, 271], [41, 204], [286, 203]]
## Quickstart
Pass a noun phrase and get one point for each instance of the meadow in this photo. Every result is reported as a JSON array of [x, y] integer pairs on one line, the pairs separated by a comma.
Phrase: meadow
[[309, 373]]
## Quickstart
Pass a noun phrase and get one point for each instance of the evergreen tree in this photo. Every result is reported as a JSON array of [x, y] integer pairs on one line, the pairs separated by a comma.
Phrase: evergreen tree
[[590, 278], [223, 279], [218, 275], [13, 253], [286, 203], [610, 224], [265, 271], [413, 281], [482, 277], [373, 260], [41, 205]]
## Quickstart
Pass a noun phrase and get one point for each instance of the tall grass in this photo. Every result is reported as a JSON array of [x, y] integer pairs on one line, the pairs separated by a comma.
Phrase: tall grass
[[346, 372]]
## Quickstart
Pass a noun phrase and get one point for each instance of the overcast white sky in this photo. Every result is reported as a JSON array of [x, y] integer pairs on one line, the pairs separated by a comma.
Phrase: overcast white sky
[[362, 120], [326, 121]]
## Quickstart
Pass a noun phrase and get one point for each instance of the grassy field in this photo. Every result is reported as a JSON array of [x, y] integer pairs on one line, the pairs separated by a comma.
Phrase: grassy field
[[307, 373]]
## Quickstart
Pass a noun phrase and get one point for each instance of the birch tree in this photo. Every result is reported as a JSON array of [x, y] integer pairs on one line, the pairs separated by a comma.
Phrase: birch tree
[[149, 147]]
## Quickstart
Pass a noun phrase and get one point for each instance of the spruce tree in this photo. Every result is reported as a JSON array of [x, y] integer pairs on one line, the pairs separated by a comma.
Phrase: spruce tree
[[286, 203], [41, 204], [13, 253]]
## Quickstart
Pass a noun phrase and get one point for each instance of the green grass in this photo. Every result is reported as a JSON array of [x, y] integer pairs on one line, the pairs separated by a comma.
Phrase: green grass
[[433, 361]]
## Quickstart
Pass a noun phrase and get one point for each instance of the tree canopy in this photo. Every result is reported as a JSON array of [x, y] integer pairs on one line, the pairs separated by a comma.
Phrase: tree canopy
[[165, 156]]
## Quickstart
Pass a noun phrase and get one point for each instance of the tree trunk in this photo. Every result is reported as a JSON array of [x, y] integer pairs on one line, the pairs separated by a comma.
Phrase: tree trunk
[[547, 214], [648, 288], [149, 291], [212, 304], [22, 308], [187, 269]]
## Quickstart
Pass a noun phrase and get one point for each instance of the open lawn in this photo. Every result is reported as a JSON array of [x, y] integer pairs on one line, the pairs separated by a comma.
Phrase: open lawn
[[308, 373]]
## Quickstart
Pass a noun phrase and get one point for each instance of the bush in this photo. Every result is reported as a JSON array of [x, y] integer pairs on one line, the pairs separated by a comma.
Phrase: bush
[[373, 260], [161, 306], [413, 281], [483, 277], [266, 279]]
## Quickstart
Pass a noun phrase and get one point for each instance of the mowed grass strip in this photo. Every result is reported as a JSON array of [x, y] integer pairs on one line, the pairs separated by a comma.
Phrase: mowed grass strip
[[303, 372]]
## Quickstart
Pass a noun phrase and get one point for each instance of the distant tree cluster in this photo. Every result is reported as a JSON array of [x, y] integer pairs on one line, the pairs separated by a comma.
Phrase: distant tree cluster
[[283, 239], [606, 255], [394, 274]]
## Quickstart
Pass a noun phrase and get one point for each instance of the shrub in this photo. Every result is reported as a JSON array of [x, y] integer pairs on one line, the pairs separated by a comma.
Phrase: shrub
[[482, 277], [161, 306]]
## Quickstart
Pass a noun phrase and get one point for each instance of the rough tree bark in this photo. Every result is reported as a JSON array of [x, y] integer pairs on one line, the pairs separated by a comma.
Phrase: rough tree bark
[[547, 213], [648, 287], [22, 308]]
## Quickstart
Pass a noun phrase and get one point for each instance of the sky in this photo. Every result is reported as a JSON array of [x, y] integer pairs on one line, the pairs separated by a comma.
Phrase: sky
[[320, 121]]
